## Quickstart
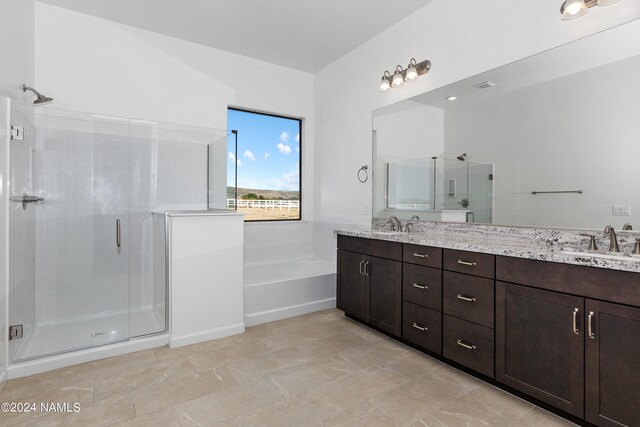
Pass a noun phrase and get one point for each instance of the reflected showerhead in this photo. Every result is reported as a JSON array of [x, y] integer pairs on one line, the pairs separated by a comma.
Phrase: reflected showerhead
[[41, 98], [461, 157]]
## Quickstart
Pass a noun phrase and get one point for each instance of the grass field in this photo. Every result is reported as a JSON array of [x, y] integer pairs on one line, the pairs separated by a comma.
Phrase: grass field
[[255, 214]]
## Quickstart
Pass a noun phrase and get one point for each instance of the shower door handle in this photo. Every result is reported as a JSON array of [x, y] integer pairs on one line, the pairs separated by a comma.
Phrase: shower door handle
[[118, 233]]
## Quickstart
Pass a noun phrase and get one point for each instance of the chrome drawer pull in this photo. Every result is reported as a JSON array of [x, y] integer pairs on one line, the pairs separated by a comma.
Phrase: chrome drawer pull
[[420, 255], [472, 264], [465, 345], [422, 328], [419, 286], [118, 234], [590, 324], [463, 298], [575, 321]]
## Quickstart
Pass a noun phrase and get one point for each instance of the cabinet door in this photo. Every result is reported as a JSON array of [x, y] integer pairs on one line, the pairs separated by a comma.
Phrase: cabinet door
[[352, 286], [540, 345], [385, 294], [612, 371]]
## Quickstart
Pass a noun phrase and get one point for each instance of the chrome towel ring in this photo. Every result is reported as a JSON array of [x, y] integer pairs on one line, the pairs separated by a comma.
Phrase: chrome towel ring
[[366, 173]]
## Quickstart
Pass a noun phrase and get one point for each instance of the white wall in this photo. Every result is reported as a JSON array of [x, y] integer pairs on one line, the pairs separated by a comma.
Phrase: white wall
[[461, 38], [16, 48], [16, 68], [95, 65], [579, 132]]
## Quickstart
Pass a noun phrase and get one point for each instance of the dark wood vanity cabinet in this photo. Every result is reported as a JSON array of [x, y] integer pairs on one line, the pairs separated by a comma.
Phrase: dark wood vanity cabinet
[[540, 345], [566, 335], [575, 352], [468, 307], [612, 368], [422, 296], [370, 287]]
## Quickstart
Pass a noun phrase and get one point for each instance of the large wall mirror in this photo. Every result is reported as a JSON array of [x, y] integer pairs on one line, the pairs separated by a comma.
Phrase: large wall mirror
[[551, 140]]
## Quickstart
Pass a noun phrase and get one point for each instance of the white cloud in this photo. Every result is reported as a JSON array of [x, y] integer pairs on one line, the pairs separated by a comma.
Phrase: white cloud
[[284, 136], [249, 155], [284, 148], [232, 157], [298, 138], [267, 155], [288, 182]]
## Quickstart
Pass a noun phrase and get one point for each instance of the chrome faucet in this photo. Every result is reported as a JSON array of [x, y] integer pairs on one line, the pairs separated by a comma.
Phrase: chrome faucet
[[627, 227], [613, 246], [396, 225]]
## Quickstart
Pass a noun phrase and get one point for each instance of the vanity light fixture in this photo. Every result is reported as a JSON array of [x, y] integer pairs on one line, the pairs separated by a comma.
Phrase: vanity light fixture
[[412, 72], [398, 79], [385, 83], [400, 75], [572, 9]]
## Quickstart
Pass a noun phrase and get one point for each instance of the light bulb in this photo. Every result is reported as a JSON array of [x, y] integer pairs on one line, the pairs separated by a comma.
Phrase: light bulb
[[397, 77], [412, 72], [384, 82], [452, 98], [572, 9]]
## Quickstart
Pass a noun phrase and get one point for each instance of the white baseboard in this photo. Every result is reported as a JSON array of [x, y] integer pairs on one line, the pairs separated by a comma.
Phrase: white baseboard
[[253, 319], [211, 334], [36, 366], [3, 379]]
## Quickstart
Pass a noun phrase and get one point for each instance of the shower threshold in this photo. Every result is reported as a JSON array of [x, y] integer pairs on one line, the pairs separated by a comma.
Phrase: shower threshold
[[81, 333]]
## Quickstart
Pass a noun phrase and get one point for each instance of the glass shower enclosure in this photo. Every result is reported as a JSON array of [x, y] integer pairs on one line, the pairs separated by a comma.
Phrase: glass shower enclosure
[[439, 184], [84, 187]]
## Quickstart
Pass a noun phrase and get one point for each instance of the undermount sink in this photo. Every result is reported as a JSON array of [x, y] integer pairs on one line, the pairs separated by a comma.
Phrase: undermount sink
[[601, 255]]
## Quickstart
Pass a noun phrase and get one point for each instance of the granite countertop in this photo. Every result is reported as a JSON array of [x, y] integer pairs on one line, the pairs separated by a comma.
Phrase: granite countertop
[[536, 247]]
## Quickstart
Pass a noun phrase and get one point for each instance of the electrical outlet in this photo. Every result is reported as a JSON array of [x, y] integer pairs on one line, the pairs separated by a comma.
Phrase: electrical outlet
[[621, 210]]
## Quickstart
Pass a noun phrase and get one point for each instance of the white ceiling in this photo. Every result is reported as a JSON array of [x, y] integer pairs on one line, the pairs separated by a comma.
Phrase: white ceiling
[[301, 34]]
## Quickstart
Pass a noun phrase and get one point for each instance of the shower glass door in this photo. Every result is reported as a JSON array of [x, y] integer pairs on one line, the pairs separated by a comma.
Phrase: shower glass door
[[70, 251]]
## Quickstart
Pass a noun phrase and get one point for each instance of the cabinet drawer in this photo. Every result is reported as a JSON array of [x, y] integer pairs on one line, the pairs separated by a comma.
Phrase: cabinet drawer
[[468, 297], [379, 248], [474, 263], [468, 344], [422, 326], [422, 255], [422, 286]]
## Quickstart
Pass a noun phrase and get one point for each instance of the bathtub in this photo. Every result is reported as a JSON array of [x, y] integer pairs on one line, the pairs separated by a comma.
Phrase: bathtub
[[281, 289]]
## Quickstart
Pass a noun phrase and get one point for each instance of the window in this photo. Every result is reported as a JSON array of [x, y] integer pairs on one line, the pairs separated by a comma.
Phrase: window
[[268, 166]]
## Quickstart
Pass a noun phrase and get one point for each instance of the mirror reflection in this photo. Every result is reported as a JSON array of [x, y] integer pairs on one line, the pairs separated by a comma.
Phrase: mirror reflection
[[551, 140]]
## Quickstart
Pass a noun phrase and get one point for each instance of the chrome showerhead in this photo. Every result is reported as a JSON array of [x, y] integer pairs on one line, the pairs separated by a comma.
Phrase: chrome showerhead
[[41, 98], [461, 157]]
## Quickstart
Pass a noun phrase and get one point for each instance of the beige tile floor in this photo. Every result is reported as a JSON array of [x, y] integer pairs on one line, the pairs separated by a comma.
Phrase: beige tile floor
[[319, 369]]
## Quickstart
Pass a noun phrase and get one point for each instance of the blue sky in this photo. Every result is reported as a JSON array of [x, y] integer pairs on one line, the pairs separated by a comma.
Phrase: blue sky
[[268, 151]]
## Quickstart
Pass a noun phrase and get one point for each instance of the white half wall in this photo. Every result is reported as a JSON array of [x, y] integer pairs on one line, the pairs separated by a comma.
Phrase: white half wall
[[461, 38]]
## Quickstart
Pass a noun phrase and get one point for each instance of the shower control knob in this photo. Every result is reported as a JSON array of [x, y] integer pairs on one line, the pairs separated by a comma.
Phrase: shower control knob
[[26, 199]]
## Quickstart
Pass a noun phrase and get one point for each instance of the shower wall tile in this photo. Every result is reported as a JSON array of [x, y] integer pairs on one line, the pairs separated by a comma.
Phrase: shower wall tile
[[181, 175]]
